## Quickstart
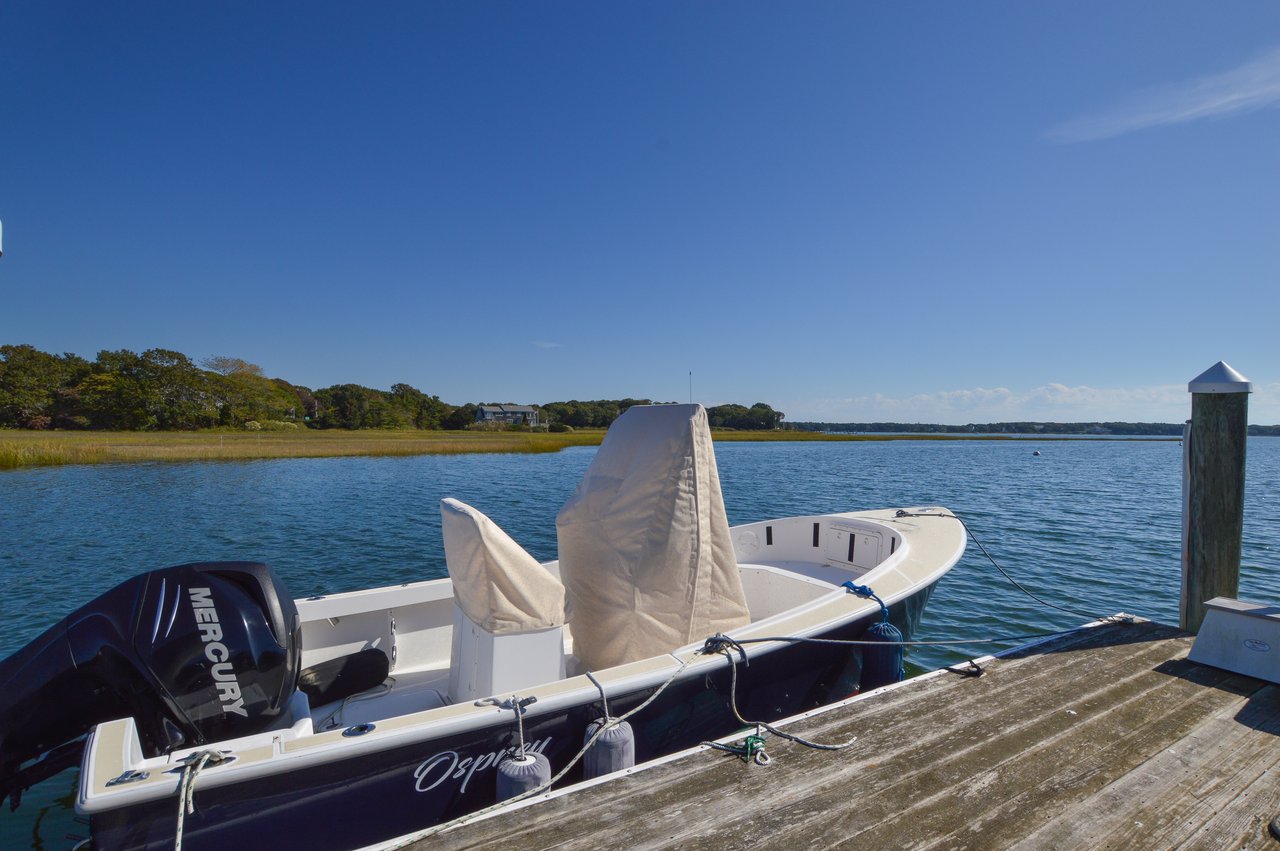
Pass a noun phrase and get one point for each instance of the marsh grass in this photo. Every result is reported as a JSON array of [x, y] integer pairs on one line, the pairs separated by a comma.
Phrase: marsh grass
[[50, 448], [43, 453], [30, 449]]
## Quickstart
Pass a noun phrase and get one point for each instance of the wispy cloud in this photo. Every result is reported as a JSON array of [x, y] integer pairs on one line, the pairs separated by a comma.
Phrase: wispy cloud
[[543, 344], [1248, 88], [1050, 402]]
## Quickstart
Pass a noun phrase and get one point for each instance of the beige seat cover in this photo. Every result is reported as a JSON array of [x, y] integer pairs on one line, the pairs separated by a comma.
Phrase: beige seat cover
[[645, 553], [498, 585]]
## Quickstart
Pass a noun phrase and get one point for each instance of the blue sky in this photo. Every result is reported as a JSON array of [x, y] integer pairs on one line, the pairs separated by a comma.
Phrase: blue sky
[[934, 212]]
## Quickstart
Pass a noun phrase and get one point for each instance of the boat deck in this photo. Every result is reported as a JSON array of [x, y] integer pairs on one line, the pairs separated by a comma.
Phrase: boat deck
[[1106, 737]]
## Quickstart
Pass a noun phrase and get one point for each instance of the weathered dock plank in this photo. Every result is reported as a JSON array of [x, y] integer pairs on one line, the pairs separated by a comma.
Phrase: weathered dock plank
[[1105, 738]]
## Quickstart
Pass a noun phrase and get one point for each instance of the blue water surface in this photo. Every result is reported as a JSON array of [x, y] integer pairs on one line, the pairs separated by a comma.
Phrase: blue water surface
[[1091, 526]]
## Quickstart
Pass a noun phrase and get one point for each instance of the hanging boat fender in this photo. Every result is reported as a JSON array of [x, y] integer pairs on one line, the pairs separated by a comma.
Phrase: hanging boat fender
[[523, 770], [521, 773], [613, 751], [881, 663]]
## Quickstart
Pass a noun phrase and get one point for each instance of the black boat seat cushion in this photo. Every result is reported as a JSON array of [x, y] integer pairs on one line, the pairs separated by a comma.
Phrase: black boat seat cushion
[[344, 676]]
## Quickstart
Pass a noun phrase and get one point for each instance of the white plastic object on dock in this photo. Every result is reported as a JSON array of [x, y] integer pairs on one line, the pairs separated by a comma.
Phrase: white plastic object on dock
[[1241, 637]]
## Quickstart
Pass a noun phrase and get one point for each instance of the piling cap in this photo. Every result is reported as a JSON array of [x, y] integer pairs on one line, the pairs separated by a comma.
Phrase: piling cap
[[1220, 378]]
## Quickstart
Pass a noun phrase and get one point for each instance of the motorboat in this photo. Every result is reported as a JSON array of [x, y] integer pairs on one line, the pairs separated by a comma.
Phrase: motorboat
[[203, 704]]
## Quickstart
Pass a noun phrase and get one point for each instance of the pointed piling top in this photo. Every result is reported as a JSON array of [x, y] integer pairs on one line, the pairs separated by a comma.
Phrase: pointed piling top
[[1220, 378]]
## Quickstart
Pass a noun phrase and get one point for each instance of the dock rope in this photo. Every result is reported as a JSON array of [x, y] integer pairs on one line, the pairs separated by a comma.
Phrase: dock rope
[[865, 591], [724, 645], [187, 788], [752, 749], [954, 642], [604, 698], [902, 512], [517, 704]]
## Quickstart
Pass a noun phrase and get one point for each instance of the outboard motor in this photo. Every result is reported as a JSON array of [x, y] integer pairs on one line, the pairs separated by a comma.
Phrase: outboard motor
[[194, 654]]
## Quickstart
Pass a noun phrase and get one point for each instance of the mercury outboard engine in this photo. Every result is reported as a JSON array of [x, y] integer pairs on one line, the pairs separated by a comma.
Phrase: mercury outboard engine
[[194, 654]]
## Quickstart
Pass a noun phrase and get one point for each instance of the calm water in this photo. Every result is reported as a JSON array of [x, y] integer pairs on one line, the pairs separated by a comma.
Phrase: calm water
[[1090, 525]]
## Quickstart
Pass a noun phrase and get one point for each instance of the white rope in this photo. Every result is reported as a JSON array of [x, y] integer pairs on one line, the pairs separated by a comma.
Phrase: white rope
[[733, 704], [187, 788]]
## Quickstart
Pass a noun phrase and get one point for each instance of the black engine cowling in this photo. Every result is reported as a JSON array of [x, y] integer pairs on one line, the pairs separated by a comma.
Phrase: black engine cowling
[[196, 653]]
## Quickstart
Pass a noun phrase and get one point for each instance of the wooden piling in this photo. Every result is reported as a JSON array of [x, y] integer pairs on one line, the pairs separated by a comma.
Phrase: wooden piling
[[1214, 490]]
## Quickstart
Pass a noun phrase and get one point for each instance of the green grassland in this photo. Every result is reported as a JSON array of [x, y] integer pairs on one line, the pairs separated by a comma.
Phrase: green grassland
[[19, 448]]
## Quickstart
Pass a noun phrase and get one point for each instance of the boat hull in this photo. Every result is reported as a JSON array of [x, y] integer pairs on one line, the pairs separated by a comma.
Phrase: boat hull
[[351, 803]]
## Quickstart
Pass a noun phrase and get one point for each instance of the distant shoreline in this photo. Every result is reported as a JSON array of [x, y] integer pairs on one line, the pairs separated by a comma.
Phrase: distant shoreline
[[1048, 429], [22, 449]]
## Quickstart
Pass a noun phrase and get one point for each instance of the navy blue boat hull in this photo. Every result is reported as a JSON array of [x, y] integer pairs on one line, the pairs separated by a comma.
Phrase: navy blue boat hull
[[356, 802]]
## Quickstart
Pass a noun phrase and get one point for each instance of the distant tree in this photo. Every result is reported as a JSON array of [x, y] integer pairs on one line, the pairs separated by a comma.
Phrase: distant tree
[[556, 412], [598, 413], [380, 413], [68, 411], [423, 411], [461, 417], [34, 386], [116, 394], [343, 406], [756, 418], [224, 365], [177, 393], [306, 400], [765, 417]]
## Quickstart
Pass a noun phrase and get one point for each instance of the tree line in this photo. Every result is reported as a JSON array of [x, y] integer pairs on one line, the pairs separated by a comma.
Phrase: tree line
[[599, 413], [1098, 428], [999, 428], [161, 389]]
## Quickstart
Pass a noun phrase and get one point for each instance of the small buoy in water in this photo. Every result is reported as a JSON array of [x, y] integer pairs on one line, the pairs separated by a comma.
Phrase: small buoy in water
[[519, 774], [1037, 452], [613, 751]]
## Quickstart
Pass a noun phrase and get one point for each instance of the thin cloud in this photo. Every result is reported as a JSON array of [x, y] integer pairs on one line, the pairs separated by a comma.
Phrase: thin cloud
[[543, 344], [1050, 402], [1249, 88]]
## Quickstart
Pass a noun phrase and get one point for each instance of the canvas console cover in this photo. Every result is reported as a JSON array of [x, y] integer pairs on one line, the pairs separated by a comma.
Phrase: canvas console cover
[[496, 583], [645, 554]]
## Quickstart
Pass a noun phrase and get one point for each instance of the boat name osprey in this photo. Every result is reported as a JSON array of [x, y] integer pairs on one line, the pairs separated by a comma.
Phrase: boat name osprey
[[449, 765]]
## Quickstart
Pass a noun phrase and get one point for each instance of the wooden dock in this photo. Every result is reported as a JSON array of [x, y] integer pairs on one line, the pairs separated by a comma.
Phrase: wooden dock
[[1105, 738]]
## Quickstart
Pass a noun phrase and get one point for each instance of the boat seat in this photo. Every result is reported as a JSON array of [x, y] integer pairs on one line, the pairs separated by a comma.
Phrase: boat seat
[[508, 617], [344, 676], [484, 663]]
